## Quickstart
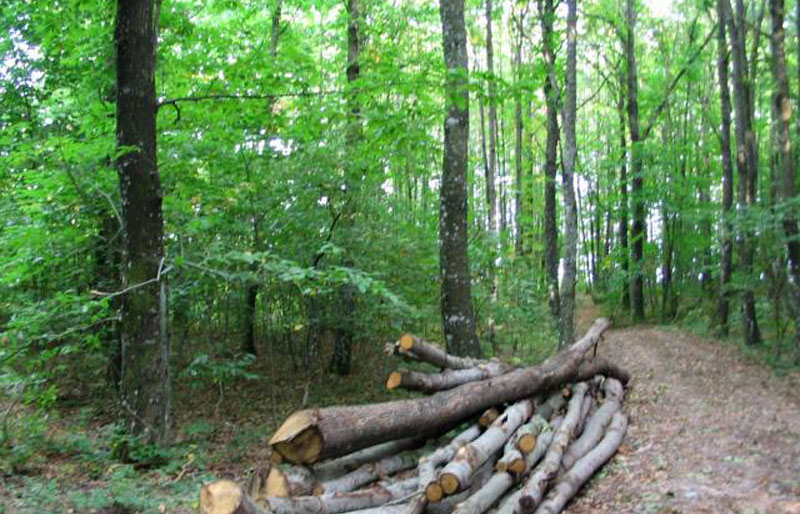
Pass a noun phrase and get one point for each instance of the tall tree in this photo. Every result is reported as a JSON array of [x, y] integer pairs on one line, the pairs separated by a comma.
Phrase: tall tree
[[567, 293], [456, 296], [723, 304], [551, 94], [623, 197], [145, 381], [746, 160], [638, 229], [491, 168], [783, 109], [518, 19]]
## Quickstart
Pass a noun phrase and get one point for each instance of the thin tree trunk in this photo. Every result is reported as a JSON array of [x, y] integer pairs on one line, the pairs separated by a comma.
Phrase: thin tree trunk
[[145, 395], [726, 271], [518, 131], [456, 296], [783, 107], [638, 233], [567, 293], [746, 160], [491, 193], [623, 199], [551, 94]]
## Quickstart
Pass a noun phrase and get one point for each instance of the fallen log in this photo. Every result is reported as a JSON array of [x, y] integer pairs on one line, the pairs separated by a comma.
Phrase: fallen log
[[456, 474], [332, 468], [447, 379], [310, 435], [488, 417], [582, 471], [226, 497], [596, 424], [412, 346], [290, 481], [534, 487], [366, 474]]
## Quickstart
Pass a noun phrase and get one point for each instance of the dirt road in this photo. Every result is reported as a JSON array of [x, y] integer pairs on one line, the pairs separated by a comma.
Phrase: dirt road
[[709, 431]]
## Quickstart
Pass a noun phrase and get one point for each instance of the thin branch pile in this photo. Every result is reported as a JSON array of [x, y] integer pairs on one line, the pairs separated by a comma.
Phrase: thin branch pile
[[489, 437]]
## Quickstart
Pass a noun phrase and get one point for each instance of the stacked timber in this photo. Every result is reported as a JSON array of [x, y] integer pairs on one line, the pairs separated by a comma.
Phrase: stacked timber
[[488, 437]]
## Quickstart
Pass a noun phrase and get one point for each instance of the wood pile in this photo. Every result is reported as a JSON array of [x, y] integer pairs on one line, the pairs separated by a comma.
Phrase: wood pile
[[489, 438]]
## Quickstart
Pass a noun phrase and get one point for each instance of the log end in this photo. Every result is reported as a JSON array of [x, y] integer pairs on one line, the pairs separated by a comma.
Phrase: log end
[[526, 443], [406, 342], [434, 492], [449, 483], [501, 466], [277, 484], [298, 439], [394, 380], [220, 497], [526, 503], [517, 466], [488, 417]]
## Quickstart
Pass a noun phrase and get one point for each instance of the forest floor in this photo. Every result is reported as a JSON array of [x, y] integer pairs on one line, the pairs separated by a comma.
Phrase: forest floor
[[710, 431]]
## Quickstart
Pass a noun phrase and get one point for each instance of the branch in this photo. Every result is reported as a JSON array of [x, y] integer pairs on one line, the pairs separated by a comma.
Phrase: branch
[[674, 83]]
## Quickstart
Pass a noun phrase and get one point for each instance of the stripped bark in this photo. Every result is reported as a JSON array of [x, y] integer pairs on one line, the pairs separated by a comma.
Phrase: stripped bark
[[456, 475], [534, 488], [366, 474], [583, 470], [310, 435], [447, 379], [596, 424]]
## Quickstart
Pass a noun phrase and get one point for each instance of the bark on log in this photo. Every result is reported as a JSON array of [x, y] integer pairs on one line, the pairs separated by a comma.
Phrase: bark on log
[[596, 425], [534, 488], [554, 403], [447, 379], [418, 349], [584, 468], [290, 481], [332, 468], [310, 435], [456, 475], [365, 474]]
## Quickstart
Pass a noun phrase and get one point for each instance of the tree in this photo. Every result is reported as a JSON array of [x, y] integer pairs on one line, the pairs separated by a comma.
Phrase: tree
[[567, 293], [456, 296], [782, 107], [145, 401]]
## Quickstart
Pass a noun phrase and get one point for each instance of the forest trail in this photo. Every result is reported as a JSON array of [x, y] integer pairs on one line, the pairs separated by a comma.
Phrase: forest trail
[[709, 431]]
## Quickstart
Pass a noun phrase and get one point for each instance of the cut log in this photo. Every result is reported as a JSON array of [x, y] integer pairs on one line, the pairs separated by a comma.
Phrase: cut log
[[289, 481], [447, 379], [456, 475], [582, 471], [226, 497], [422, 350], [525, 438], [596, 424], [488, 417], [366, 474], [550, 407], [333, 468], [310, 435], [535, 486]]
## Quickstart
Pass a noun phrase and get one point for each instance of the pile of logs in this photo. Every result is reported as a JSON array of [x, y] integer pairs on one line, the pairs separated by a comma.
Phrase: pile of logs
[[489, 437]]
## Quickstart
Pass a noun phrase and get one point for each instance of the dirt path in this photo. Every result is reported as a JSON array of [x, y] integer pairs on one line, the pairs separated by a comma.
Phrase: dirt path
[[709, 432]]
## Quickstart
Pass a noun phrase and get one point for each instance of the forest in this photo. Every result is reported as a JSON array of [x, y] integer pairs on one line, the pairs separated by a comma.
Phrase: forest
[[216, 213]]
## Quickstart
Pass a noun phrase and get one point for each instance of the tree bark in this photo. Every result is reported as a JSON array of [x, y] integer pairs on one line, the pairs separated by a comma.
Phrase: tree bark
[[145, 393], [491, 193], [639, 215], [518, 138], [551, 94], [329, 469], [310, 435], [447, 379], [417, 349], [747, 161], [366, 474], [623, 200], [783, 107], [568, 486], [458, 317], [726, 269], [567, 293], [534, 488]]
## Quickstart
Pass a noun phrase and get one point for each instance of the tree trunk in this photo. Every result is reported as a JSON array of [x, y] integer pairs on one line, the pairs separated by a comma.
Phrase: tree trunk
[[783, 107], [416, 349], [623, 199], [491, 193], [310, 435], [726, 270], [432, 382], [567, 293], [458, 317], [551, 94], [639, 215], [518, 132], [747, 161], [145, 395]]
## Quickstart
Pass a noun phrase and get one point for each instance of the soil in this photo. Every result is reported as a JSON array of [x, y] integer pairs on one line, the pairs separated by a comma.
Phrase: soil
[[709, 432]]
